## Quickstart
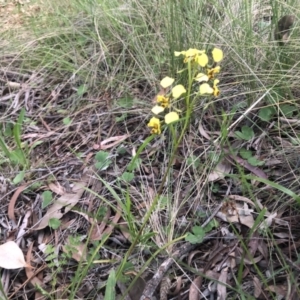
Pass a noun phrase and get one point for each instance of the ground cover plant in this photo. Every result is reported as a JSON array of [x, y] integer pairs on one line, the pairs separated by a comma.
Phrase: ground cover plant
[[149, 149]]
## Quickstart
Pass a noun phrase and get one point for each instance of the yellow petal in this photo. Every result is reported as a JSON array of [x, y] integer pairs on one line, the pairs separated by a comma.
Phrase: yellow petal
[[215, 88], [217, 69], [193, 52], [216, 81], [178, 90], [166, 82], [217, 54], [153, 121], [201, 77], [216, 92], [202, 60], [157, 109], [205, 88], [211, 72], [171, 117], [177, 53]]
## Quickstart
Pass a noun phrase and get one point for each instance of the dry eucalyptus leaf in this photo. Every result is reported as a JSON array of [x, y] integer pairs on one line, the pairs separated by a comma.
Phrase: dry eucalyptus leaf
[[268, 221], [194, 293], [257, 287], [57, 188], [245, 215], [221, 286], [111, 142], [221, 169], [239, 214], [11, 256], [64, 203]]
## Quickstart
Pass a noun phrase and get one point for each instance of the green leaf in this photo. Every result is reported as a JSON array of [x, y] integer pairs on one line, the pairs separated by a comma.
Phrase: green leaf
[[163, 202], [101, 156], [19, 177], [17, 128], [134, 164], [36, 185], [193, 239], [47, 198], [211, 225], [253, 161], [198, 230], [245, 153], [4, 148], [127, 176], [82, 90], [215, 188], [128, 266], [19, 155], [266, 113], [54, 223], [126, 102], [110, 291], [193, 161], [121, 150], [287, 110], [8, 130], [67, 121], [121, 118], [17, 135], [246, 133], [102, 160], [103, 165]]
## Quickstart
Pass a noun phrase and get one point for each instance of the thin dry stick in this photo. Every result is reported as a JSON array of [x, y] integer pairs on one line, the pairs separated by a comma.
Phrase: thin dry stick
[[164, 267], [248, 110], [28, 279]]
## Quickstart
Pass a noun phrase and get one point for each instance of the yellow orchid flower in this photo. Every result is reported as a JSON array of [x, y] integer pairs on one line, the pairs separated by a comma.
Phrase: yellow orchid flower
[[192, 52], [194, 55], [155, 125], [164, 101], [211, 72]]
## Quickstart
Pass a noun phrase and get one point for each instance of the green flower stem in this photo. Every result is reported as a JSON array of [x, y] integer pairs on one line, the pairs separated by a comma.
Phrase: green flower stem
[[156, 198], [188, 95], [172, 132]]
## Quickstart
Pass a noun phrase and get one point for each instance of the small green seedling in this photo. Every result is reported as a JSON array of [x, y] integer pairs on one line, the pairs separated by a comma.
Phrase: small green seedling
[[102, 160], [47, 198], [246, 133], [252, 160]]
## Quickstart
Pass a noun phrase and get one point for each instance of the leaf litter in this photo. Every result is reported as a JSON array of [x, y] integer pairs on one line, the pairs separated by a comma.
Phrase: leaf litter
[[236, 212], [242, 237]]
